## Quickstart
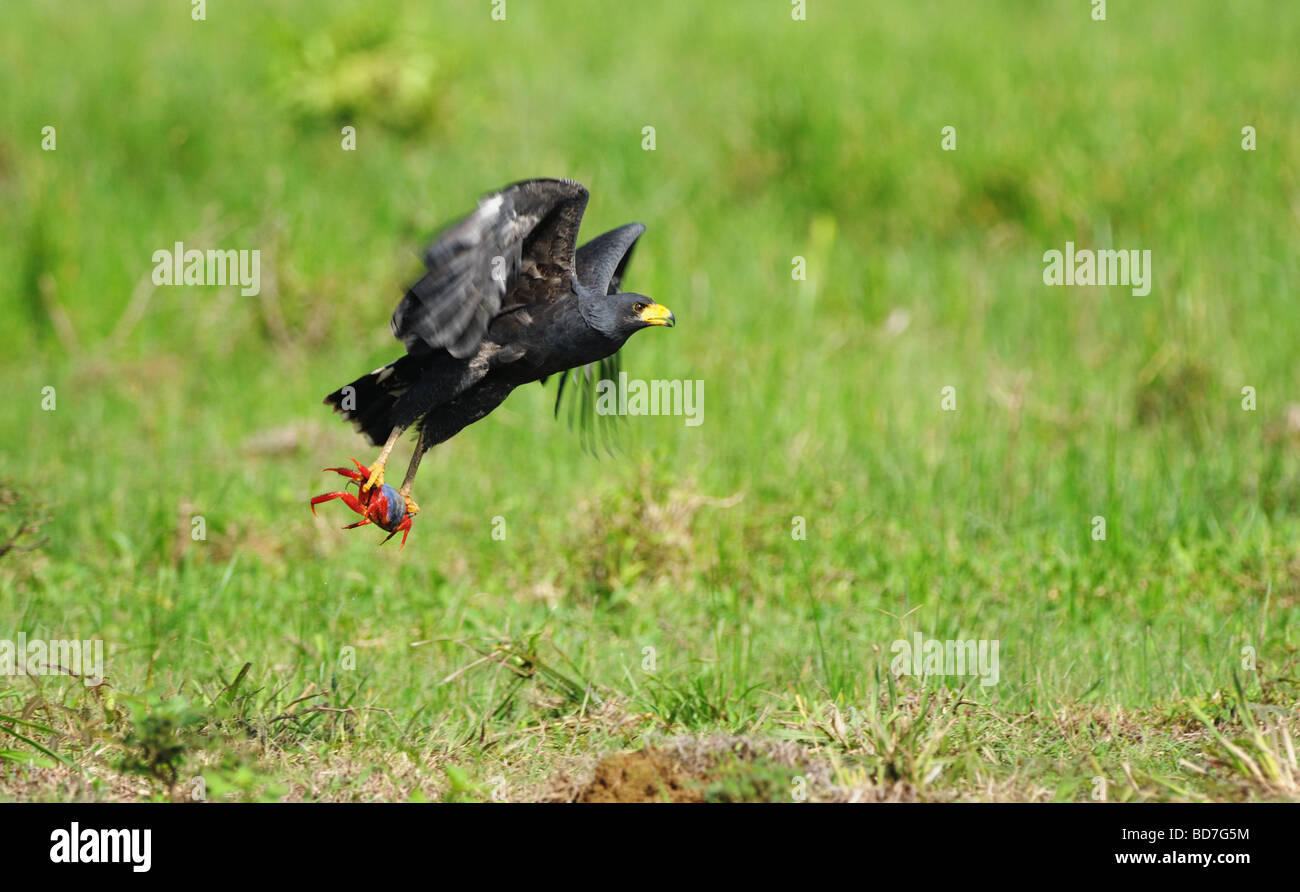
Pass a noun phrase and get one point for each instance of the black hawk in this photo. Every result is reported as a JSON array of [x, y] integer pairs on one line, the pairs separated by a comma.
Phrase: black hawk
[[508, 299]]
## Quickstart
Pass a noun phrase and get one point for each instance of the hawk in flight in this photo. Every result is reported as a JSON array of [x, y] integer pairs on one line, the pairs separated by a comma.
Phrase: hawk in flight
[[508, 299]]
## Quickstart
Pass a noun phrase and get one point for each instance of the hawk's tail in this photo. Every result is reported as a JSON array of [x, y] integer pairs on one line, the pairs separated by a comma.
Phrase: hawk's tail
[[368, 401]]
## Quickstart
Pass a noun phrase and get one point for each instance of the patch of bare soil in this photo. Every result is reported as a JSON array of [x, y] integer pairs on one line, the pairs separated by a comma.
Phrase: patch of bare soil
[[648, 775], [716, 768]]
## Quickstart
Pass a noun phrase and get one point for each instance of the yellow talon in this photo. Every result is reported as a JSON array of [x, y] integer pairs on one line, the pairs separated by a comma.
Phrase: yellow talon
[[412, 509], [377, 469]]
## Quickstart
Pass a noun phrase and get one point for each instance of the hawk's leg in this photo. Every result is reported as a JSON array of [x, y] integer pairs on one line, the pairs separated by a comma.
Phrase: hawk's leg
[[413, 509], [376, 477]]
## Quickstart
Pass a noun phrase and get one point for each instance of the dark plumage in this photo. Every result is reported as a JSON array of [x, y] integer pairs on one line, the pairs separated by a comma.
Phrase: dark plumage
[[507, 300]]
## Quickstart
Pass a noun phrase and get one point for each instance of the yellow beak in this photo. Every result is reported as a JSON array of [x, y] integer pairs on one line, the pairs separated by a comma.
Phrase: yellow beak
[[657, 314]]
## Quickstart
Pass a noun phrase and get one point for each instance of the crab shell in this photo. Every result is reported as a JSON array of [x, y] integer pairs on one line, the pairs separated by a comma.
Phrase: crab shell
[[386, 508]]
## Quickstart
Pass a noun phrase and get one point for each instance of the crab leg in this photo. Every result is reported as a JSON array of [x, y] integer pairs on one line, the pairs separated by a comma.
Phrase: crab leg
[[348, 499], [404, 527]]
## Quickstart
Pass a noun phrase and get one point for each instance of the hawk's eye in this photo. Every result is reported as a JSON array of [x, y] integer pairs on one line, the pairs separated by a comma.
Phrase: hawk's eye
[[638, 307]]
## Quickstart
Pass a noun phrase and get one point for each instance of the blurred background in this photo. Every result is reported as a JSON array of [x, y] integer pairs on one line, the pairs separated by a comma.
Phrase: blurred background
[[774, 139]]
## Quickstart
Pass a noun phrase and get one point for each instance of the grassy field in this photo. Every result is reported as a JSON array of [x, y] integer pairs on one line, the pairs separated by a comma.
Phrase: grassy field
[[652, 624]]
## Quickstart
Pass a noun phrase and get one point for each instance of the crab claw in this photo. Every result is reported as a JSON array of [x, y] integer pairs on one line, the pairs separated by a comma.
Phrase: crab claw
[[361, 473]]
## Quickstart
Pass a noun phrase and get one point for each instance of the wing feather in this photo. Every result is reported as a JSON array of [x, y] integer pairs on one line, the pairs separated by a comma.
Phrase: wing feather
[[602, 261], [476, 262]]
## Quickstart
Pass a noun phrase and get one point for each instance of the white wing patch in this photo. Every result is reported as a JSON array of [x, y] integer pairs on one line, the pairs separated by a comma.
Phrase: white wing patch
[[489, 207]]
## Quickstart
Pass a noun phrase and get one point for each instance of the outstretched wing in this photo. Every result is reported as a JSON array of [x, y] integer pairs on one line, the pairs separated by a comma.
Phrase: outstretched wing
[[530, 226], [601, 263]]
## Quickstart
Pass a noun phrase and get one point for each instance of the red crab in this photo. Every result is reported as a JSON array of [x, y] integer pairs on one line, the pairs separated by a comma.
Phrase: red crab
[[379, 504]]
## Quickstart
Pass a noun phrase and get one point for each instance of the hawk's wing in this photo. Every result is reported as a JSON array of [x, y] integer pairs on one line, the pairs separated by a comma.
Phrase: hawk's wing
[[476, 262], [602, 260], [601, 263]]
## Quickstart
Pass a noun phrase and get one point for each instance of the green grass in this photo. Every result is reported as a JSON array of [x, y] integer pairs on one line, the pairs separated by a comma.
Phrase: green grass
[[486, 667]]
